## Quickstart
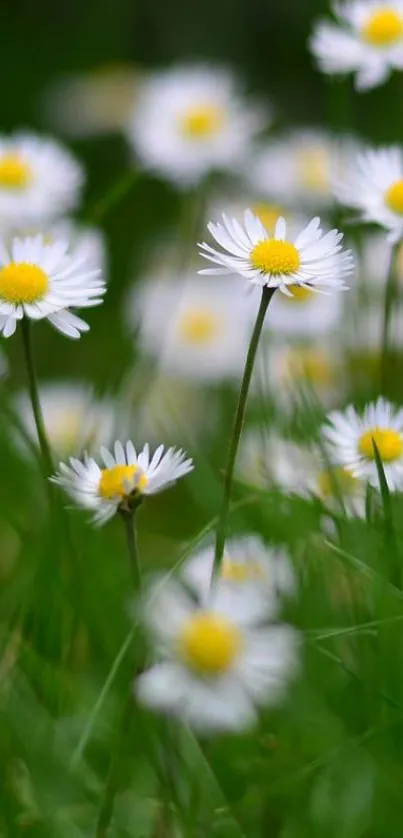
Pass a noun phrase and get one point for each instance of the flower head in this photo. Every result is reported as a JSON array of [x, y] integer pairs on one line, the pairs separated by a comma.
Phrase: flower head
[[39, 280], [314, 260], [366, 40], [353, 440], [124, 477], [216, 668]]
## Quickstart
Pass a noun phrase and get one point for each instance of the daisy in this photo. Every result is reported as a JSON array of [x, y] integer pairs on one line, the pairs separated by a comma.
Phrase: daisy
[[366, 40], [216, 666], [284, 371], [197, 329], [39, 280], [252, 575], [304, 313], [351, 438], [190, 120], [314, 260], [124, 478], [39, 179], [86, 244], [374, 186]]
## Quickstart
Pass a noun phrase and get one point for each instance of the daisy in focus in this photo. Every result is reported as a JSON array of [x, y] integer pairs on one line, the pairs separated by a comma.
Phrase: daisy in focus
[[86, 244], [374, 186], [367, 40], [314, 260], [351, 439], [39, 179], [216, 666], [190, 120], [123, 480], [39, 280], [252, 576]]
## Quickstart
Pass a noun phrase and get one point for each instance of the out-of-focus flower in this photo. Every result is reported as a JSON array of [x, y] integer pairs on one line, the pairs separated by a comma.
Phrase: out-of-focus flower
[[366, 40], [374, 186], [196, 328], [304, 314], [39, 280], [96, 102], [314, 260], [252, 576], [190, 120], [74, 419], [217, 666], [39, 179], [351, 439], [126, 475], [285, 372], [298, 170]]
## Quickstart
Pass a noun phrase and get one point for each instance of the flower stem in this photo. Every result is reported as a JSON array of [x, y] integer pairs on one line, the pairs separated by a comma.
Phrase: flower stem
[[34, 396], [390, 296], [129, 522], [267, 294]]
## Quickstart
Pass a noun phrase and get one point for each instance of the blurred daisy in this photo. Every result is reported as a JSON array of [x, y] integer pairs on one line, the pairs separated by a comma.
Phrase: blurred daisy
[[299, 168], [304, 313], [196, 328], [126, 476], [74, 419], [190, 120], [217, 666], [284, 372], [39, 179], [95, 102], [338, 489], [374, 186], [39, 280], [252, 575], [366, 40], [314, 260], [351, 438]]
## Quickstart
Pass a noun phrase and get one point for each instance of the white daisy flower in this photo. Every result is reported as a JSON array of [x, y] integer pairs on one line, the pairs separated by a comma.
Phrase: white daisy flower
[[374, 186], [125, 475], [86, 244], [74, 419], [190, 120], [298, 169], [283, 372], [39, 280], [39, 179], [366, 40], [216, 667], [252, 576], [314, 260], [196, 328], [351, 438]]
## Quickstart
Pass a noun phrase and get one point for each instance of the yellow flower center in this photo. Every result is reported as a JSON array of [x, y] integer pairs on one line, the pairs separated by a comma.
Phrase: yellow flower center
[[21, 282], [209, 643], [394, 197], [14, 172], [383, 28], [312, 364], [117, 482], [241, 571], [268, 214], [299, 294], [198, 326], [314, 171], [340, 478], [275, 257], [202, 122], [388, 442]]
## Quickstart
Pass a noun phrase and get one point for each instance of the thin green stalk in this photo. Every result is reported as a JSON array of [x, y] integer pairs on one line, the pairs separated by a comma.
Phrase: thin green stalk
[[113, 197], [267, 294], [34, 396], [129, 521], [390, 297]]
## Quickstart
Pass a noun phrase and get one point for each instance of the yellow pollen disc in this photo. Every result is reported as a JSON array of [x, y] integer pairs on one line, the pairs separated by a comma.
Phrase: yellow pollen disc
[[268, 214], [394, 197], [312, 364], [21, 282], [241, 571], [340, 478], [202, 122], [383, 28], [299, 294], [388, 442], [209, 644], [314, 169], [113, 482], [275, 257], [14, 172], [198, 326]]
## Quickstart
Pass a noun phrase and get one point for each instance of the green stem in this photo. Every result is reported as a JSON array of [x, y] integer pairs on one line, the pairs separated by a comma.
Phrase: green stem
[[34, 396], [267, 294], [129, 522], [390, 297], [113, 197]]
